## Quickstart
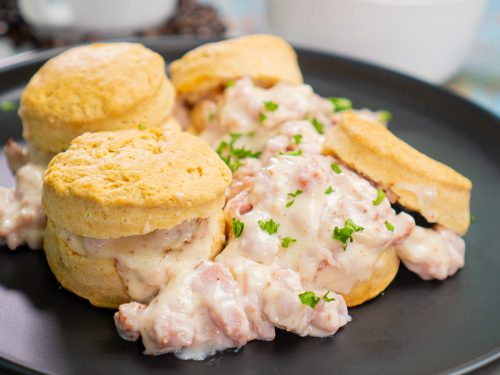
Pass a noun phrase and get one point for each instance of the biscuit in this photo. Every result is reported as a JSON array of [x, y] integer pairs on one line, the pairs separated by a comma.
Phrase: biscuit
[[419, 183], [384, 272], [91, 88], [96, 279], [267, 59], [131, 182]]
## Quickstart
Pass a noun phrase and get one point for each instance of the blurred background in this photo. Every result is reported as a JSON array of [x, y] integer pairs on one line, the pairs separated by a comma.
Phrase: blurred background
[[454, 43]]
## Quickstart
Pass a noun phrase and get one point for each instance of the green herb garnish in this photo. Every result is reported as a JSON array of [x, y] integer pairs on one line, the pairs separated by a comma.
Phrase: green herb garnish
[[340, 104], [297, 138], [286, 241], [380, 197], [344, 234], [231, 155], [336, 168], [262, 117], [141, 127], [326, 298], [473, 218], [230, 83], [329, 190], [318, 125], [384, 116], [269, 226], [270, 105], [292, 153], [211, 117], [238, 227], [293, 195], [7, 106], [309, 298], [389, 226]]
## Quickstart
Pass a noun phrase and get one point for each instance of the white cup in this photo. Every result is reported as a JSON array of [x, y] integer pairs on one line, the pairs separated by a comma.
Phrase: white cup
[[99, 17], [425, 38]]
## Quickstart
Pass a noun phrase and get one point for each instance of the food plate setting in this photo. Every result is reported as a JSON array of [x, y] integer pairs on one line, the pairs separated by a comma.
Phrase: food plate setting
[[259, 210]]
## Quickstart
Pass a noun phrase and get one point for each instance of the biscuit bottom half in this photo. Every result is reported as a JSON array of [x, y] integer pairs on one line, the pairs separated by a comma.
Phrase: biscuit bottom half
[[384, 271], [97, 278]]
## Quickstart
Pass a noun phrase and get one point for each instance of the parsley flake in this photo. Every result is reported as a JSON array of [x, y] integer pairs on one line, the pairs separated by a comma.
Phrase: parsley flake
[[297, 138], [269, 226], [389, 226], [262, 117], [318, 125], [292, 153], [211, 117], [326, 298], [141, 127], [340, 104], [384, 116], [238, 227], [344, 234], [293, 195], [380, 197], [336, 168], [7, 106], [231, 155], [230, 83], [286, 241], [473, 218], [309, 298], [270, 105], [329, 190]]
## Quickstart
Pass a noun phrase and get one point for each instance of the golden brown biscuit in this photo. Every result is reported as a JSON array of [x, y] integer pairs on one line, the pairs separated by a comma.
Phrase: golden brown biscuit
[[97, 279], [267, 59], [384, 272], [419, 183], [94, 88], [116, 184]]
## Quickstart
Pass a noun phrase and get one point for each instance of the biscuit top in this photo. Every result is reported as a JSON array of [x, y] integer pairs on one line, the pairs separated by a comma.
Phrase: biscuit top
[[114, 184], [267, 59], [93, 82]]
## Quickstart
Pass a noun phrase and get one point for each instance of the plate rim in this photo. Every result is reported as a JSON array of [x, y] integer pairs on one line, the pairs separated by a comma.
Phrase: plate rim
[[181, 43]]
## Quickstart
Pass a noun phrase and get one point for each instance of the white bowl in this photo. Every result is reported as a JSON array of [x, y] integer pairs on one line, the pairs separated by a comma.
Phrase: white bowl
[[425, 38]]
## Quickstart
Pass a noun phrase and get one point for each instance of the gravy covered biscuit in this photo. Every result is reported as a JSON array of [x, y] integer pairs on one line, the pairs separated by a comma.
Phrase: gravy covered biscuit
[[125, 208], [94, 88], [267, 59], [437, 192]]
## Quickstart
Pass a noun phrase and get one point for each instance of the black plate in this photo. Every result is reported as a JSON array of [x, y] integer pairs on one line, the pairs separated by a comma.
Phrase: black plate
[[416, 327]]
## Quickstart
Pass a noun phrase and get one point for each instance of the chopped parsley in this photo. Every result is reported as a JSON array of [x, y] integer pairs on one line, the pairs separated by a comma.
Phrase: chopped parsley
[[293, 196], [309, 298], [286, 241], [329, 190], [326, 298], [297, 138], [7, 106], [270, 105], [230, 83], [292, 153], [231, 155], [340, 104], [389, 226], [211, 117], [380, 197], [141, 127], [269, 226], [251, 134], [384, 116], [336, 168], [238, 227], [262, 117], [318, 125], [473, 218], [344, 234]]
